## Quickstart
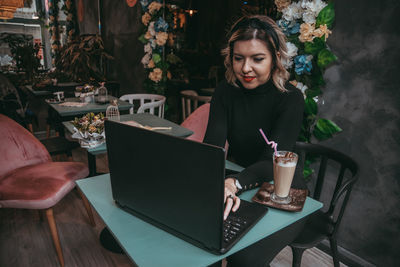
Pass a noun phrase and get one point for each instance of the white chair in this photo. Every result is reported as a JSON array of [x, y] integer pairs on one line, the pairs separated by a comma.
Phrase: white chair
[[150, 102]]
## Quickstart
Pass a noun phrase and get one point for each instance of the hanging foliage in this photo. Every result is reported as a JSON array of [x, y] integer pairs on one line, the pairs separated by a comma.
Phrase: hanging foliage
[[69, 9], [54, 29]]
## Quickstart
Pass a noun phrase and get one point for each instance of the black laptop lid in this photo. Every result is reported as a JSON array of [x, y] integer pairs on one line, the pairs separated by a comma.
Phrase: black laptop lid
[[172, 182]]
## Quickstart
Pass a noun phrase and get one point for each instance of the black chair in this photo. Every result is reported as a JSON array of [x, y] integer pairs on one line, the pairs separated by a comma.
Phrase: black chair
[[325, 224]]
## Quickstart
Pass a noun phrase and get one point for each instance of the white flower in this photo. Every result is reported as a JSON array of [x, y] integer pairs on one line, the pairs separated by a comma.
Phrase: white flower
[[292, 12], [292, 49], [146, 59], [311, 10], [153, 43], [151, 29], [147, 48], [316, 99], [291, 52], [302, 87], [309, 17]]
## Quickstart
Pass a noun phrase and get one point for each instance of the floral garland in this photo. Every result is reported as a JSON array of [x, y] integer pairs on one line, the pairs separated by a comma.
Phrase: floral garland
[[54, 29], [69, 9], [307, 25], [158, 20]]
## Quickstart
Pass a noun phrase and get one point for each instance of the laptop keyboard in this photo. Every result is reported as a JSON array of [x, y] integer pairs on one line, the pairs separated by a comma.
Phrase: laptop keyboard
[[233, 225]]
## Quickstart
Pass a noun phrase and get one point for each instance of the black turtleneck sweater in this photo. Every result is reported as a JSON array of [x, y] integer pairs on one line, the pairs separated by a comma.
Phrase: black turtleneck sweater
[[237, 113]]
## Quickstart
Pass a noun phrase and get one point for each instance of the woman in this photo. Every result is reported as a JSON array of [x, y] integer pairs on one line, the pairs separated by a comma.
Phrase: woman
[[255, 95]]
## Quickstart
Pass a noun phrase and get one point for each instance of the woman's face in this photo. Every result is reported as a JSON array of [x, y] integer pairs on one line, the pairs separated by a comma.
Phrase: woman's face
[[252, 63]]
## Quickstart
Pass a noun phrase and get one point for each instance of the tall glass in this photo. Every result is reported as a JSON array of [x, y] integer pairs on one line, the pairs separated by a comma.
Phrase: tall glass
[[284, 163]]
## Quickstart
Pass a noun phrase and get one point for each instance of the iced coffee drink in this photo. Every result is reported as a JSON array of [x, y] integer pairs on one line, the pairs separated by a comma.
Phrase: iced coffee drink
[[284, 163]]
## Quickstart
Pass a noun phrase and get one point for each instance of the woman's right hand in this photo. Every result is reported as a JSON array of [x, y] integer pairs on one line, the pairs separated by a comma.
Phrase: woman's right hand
[[232, 202]]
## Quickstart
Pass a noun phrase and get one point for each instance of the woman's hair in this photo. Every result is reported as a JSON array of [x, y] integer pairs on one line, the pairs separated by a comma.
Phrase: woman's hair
[[264, 29]]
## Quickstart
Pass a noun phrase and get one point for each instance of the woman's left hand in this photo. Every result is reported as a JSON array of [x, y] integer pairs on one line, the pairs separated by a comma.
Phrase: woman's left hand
[[232, 202]]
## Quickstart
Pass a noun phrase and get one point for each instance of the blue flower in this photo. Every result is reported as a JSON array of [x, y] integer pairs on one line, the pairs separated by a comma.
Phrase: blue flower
[[161, 25], [144, 4], [303, 64], [289, 28]]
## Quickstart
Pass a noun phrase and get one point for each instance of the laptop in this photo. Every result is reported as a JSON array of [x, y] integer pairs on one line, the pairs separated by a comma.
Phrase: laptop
[[177, 185]]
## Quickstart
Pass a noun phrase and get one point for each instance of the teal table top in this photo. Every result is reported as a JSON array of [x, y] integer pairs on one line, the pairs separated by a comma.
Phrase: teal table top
[[144, 119], [148, 245], [64, 111]]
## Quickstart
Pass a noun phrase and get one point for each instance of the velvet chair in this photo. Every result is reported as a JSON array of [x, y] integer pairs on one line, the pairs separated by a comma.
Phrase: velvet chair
[[29, 179], [197, 122]]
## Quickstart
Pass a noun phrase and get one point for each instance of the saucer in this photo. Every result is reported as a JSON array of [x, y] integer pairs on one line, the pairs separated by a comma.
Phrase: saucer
[[263, 196]]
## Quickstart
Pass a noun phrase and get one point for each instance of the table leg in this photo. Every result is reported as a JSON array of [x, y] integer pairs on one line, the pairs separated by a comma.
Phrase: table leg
[[108, 241], [92, 164]]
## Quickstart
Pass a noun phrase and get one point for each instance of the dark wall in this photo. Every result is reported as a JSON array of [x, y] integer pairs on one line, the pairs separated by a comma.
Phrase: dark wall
[[120, 29], [362, 95]]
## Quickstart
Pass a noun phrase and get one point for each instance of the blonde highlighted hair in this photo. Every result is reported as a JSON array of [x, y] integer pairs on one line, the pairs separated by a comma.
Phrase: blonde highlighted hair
[[264, 29]]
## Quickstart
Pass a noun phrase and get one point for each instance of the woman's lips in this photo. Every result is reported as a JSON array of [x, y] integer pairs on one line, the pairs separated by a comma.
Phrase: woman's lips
[[248, 78]]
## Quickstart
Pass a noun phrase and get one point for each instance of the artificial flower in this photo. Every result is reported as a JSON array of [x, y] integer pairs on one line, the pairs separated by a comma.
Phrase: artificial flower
[[169, 75], [148, 35], [151, 28], [146, 18], [161, 25], [311, 10], [151, 64], [68, 4], [292, 12], [303, 64], [321, 31], [291, 52], [289, 27], [306, 32], [302, 87], [154, 7], [156, 75], [147, 48], [282, 4], [161, 38], [144, 4], [146, 59]]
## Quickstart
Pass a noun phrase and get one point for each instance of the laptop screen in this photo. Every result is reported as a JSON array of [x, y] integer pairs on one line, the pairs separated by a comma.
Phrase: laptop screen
[[174, 183]]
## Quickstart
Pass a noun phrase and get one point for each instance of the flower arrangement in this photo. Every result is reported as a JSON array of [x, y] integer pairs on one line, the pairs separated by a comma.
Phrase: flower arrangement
[[157, 19], [54, 30], [69, 9], [307, 25], [89, 129]]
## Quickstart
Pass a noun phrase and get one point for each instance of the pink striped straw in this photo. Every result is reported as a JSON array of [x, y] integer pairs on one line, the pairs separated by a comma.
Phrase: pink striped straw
[[272, 143]]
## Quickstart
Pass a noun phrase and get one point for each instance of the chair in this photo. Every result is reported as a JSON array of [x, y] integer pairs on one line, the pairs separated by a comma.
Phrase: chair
[[190, 102], [29, 179], [325, 224], [197, 122], [150, 102]]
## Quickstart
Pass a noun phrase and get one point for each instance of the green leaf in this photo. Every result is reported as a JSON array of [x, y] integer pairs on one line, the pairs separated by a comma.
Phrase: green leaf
[[315, 46], [142, 39], [156, 58], [325, 129], [310, 106], [326, 16], [325, 57], [313, 92]]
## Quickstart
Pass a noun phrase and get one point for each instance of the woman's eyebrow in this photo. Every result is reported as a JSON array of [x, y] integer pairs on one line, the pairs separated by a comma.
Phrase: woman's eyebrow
[[254, 55]]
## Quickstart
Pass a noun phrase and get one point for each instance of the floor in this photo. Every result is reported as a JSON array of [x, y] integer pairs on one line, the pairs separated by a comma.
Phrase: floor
[[25, 239]]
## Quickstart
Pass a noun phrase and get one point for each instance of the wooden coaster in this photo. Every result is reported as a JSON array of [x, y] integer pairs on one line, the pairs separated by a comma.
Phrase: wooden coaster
[[298, 198]]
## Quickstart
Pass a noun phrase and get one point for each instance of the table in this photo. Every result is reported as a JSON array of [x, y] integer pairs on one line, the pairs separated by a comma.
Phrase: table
[[65, 112], [144, 119], [148, 245]]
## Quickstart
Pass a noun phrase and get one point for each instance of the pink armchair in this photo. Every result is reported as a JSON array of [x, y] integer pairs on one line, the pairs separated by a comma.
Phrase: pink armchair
[[197, 122], [29, 179]]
